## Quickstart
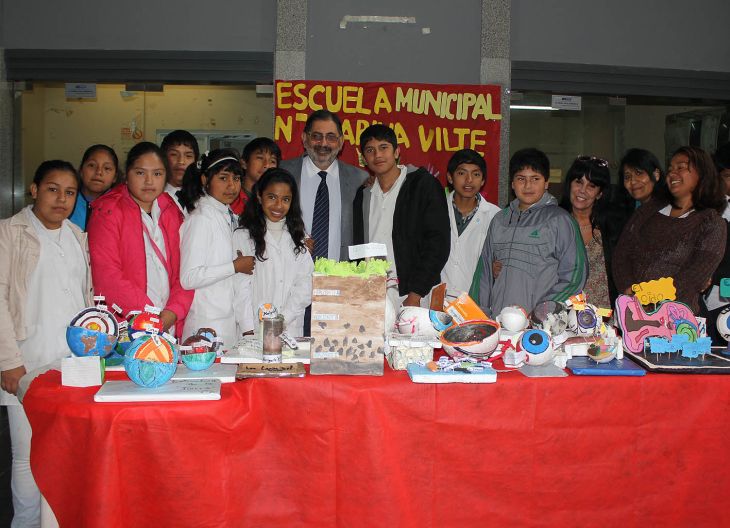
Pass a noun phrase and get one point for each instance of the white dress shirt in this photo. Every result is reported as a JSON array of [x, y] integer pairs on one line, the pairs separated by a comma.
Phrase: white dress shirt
[[380, 229], [206, 266], [308, 193], [380, 216], [158, 283], [172, 191]]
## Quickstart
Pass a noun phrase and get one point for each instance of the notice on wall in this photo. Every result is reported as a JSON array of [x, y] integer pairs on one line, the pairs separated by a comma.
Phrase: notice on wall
[[430, 121], [567, 102], [80, 91]]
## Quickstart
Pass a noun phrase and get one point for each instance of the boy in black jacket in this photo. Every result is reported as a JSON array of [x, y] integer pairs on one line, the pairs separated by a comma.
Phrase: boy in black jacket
[[406, 211]]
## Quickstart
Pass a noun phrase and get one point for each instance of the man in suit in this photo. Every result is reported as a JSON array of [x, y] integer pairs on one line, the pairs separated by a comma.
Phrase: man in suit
[[327, 186]]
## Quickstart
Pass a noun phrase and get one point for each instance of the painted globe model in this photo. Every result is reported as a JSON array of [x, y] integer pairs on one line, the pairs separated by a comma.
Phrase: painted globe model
[[198, 361], [88, 342], [150, 360], [201, 354]]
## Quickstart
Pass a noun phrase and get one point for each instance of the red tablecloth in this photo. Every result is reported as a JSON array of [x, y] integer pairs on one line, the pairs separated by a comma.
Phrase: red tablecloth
[[382, 451]]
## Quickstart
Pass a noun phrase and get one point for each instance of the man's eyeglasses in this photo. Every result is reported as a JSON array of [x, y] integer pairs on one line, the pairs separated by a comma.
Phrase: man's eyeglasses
[[318, 137], [593, 159]]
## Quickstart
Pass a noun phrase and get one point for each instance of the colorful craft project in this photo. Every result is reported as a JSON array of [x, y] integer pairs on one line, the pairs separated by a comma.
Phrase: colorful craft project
[[93, 331], [147, 321], [149, 350], [197, 351], [681, 344], [669, 318], [151, 360], [655, 291]]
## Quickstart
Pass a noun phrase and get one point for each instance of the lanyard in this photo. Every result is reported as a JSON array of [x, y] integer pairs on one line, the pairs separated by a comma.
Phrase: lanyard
[[158, 252]]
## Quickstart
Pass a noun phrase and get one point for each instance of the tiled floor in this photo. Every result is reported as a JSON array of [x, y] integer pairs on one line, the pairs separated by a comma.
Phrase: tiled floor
[[6, 504]]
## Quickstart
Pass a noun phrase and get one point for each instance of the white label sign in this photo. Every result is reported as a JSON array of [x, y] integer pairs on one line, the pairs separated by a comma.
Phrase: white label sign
[[331, 293], [567, 102], [367, 250], [80, 91], [325, 317]]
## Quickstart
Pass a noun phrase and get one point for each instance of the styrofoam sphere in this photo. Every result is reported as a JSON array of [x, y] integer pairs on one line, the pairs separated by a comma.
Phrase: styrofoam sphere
[[414, 320], [513, 318], [723, 324]]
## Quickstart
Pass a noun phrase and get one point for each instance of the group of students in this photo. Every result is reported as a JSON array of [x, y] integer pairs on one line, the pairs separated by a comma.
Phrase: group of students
[[209, 238], [602, 239]]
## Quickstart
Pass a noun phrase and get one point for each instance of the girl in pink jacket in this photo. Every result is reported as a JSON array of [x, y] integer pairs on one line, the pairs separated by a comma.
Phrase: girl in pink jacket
[[134, 241]]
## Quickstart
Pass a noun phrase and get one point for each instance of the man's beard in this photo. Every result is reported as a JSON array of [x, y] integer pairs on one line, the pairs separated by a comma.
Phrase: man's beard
[[323, 155]]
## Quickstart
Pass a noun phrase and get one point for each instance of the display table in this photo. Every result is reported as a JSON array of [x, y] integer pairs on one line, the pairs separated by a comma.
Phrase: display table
[[382, 451]]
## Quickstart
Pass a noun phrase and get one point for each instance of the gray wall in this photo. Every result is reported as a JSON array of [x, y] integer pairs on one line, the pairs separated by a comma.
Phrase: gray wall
[[395, 52], [671, 34], [209, 25]]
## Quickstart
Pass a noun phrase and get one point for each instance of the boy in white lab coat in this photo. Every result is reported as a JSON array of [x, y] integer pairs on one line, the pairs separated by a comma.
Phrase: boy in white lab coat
[[469, 218]]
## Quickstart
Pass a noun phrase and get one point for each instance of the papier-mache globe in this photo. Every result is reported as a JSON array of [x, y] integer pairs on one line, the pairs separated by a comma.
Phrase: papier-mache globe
[[151, 360], [92, 332]]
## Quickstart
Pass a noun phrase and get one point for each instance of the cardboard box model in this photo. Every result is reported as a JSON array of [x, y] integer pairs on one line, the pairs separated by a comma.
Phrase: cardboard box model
[[348, 325]]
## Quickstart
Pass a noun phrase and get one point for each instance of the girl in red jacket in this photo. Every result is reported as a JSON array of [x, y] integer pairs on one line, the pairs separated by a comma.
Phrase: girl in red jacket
[[134, 241]]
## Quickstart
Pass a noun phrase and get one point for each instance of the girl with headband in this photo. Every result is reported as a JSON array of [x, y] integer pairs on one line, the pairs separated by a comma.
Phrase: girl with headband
[[208, 262]]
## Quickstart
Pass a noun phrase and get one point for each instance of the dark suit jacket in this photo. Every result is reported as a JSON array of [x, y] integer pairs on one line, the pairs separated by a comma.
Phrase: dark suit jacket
[[351, 178]]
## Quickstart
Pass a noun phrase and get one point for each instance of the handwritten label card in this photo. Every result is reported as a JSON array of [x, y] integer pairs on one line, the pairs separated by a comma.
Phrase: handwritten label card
[[367, 250], [86, 371], [655, 291]]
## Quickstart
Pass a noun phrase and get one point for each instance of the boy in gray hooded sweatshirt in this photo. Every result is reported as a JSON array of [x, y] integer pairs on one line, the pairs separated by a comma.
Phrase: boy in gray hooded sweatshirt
[[533, 251]]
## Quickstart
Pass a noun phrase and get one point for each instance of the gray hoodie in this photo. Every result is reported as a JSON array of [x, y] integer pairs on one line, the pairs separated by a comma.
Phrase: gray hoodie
[[542, 256]]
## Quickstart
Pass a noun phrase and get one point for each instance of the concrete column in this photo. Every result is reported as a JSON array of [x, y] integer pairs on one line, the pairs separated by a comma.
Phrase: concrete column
[[496, 69], [291, 41], [7, 154]]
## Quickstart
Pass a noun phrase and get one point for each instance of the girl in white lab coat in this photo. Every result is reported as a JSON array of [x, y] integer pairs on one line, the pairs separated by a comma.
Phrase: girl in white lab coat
[[207, 260], [44, 282], [273, 231]]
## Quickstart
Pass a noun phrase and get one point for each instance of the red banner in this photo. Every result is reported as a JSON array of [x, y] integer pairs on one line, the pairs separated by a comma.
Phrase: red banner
[[431, 121]]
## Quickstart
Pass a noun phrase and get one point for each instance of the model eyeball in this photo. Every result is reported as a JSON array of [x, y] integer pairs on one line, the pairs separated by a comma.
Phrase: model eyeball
[[537, 346], [535, 341], [587, 319]]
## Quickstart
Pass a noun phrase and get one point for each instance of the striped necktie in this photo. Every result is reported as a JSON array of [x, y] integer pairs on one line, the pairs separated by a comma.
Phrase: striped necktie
[[321, 218]]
